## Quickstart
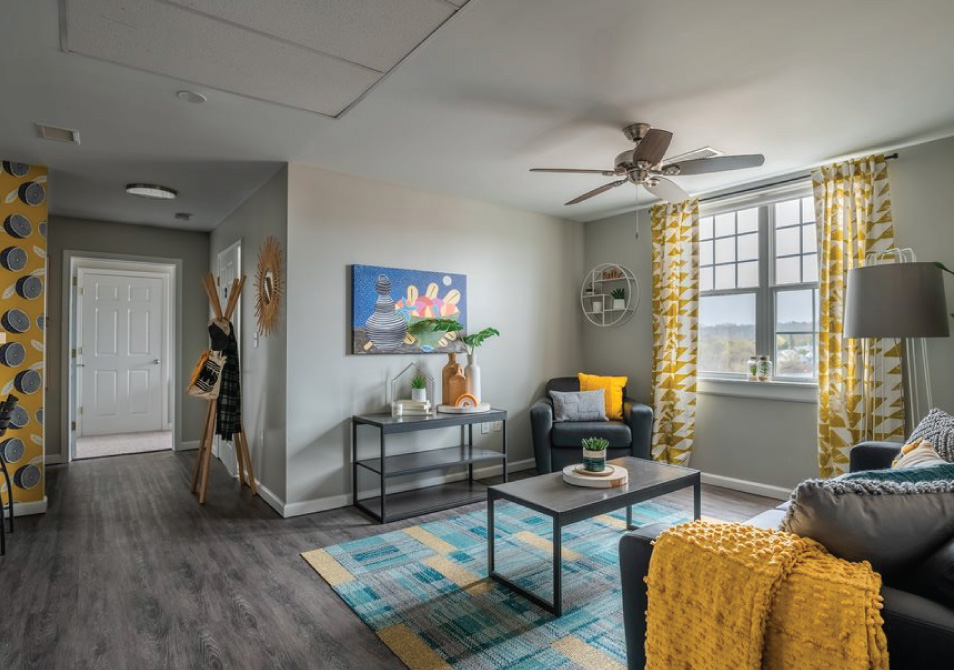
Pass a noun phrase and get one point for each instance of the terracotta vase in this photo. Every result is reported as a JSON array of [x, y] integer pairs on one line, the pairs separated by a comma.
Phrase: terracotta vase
[[456, 386], [452, 368]]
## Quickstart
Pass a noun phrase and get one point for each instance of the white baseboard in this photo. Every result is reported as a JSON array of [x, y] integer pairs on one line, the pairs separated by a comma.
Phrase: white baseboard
[[767, 490], [27, 508], [269, 496], [191, 445], [53, 459], [343, 500]]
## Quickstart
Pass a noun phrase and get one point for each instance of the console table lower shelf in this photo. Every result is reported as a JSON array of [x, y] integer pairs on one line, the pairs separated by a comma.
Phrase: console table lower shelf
[[392, 506]]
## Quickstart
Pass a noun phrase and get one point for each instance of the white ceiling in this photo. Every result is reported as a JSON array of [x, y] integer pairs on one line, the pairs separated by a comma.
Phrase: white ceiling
[[503, 86]]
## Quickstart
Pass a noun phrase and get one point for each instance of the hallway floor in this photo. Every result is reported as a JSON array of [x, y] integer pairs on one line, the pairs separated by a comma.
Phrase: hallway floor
[[123, 443]]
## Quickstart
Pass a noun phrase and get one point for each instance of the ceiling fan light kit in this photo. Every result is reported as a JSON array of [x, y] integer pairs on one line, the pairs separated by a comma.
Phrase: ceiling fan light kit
[[644, 166]]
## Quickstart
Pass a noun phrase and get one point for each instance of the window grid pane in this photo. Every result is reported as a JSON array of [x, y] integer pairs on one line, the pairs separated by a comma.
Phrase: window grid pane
[[795, 244]]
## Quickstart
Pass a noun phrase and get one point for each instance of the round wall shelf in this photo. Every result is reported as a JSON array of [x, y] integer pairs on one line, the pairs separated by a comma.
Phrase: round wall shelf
[[596, 295]]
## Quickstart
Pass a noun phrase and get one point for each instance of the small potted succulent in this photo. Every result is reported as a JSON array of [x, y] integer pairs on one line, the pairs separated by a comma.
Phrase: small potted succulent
[[594, 454], [419, 388], [619, 298]]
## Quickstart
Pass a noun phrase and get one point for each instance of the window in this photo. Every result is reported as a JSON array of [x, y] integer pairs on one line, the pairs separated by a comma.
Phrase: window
[[758, 284]]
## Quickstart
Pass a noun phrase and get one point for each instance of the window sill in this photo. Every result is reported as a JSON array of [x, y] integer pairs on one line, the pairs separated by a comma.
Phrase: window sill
[[806, 392]]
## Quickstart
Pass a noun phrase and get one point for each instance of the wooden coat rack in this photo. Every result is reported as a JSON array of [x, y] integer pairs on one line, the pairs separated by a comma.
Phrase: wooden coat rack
[[200, 474]]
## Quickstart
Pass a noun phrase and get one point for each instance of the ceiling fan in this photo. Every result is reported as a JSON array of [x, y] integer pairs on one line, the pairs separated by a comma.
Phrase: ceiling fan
[[644, 165]]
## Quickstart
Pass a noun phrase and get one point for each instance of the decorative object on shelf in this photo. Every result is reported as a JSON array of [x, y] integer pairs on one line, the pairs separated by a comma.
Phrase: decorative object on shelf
[[388, 303], [752, 369], [765, 369], [269, 285], [594, 453], [402, 397], [619, 298], [609, 295], [473, 342], [453, 370], [419, 388], [611, 478]]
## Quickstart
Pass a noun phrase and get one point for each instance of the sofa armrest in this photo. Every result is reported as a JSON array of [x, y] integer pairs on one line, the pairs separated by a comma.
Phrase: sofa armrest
[[635, 550], [639, 417], [541, 422], [872, 455]]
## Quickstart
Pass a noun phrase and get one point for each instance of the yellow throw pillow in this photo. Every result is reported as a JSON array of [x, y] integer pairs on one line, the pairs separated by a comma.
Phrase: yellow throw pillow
[[917, 454], [612, 392]]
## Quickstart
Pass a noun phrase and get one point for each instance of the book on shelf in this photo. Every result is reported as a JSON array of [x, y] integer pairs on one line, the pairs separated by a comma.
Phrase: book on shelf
[[413, 404]]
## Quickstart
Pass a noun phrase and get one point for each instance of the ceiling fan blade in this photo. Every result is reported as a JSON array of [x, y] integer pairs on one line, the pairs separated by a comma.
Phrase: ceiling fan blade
[[597, 191], [653, 146], [605, 173], [718, 164], [667, 190]]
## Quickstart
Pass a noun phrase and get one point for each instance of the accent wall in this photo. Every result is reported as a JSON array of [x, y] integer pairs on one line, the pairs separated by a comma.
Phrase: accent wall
[[23, 319]]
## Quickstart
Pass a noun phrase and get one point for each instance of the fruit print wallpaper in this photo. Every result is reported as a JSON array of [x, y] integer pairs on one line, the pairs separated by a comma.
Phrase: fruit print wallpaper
[[387, 302], [23, 321]]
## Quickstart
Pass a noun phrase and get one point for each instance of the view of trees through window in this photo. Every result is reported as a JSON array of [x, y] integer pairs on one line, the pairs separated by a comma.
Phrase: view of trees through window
[[750, 306]]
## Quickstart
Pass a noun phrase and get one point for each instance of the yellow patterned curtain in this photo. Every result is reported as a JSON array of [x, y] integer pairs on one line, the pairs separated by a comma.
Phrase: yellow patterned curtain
[[675, 230], [853, 213]]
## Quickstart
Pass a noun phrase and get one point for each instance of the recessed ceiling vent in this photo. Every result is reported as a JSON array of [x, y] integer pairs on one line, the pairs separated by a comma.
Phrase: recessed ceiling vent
[[704, 152], [57, 134]]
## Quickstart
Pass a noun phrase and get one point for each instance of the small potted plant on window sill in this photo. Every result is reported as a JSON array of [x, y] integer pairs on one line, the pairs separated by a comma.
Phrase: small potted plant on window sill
[[619, 299], [419, 388], [594, 454]]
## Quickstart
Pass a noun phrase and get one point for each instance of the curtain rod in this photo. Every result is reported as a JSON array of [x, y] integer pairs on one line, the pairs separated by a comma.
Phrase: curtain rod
[[888, 157]]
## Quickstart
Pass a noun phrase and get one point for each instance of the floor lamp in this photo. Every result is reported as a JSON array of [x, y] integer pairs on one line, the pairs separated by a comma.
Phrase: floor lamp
[[898, 300]]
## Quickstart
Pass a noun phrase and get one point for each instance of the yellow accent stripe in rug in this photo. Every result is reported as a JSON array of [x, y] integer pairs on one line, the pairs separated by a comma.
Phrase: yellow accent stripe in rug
[[461, 576], [326, 566], [542, 543], [430, 540], [411, 649], [585, 656]]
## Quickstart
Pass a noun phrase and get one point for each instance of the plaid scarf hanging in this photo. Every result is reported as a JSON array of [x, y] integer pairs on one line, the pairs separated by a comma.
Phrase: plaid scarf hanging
[[229, 419]]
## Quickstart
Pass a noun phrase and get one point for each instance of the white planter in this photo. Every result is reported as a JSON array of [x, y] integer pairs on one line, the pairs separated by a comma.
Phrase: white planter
[[619, 304], [418, 395], [472, 372]]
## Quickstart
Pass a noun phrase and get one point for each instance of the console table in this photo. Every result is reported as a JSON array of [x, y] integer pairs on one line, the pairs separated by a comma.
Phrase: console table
[[393, 506]]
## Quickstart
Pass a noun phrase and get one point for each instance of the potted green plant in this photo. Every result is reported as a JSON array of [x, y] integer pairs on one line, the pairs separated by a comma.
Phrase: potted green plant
[[472, 342], [619, 298], [594, 454], [419, 388]]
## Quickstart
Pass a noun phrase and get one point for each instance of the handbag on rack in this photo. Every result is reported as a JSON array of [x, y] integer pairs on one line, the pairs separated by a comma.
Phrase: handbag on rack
[[206, 377]]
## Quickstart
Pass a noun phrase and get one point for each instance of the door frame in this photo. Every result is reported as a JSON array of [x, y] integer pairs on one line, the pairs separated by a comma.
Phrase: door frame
[[171, 270]]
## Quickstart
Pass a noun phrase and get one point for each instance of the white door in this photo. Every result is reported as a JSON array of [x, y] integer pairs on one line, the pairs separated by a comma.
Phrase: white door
[[121, 373]]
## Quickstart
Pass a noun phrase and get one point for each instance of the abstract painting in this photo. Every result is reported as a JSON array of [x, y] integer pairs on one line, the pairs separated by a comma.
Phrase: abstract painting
[[387, 302]]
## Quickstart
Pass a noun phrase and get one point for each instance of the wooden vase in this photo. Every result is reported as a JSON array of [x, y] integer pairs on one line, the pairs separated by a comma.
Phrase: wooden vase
[[452, 368]]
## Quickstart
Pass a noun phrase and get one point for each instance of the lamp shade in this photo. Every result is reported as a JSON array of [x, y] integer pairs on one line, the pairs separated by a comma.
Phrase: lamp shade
[[896, 300]]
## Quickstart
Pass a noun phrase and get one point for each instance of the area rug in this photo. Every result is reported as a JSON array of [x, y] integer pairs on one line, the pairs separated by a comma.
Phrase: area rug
[[423, 590]]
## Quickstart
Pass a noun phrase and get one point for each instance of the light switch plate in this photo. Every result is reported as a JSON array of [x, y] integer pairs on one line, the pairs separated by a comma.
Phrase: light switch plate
[[498, 426], [485, 427]]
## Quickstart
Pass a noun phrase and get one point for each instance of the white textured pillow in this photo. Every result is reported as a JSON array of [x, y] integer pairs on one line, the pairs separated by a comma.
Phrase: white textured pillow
[[578, 405], [938, 429], [917, 454]]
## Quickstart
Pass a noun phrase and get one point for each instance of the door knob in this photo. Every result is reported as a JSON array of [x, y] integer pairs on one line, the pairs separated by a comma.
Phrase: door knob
[[156, 362]]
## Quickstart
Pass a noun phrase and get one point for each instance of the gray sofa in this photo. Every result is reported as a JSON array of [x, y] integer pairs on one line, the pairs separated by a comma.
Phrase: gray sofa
[[920, 631], [558, 444]]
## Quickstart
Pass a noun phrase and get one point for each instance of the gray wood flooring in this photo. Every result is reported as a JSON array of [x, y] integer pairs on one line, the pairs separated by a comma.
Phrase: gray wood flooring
[[127, 571]]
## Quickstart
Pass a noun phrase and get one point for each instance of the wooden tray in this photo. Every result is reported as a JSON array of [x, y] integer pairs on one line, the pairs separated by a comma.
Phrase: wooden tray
[[619, 477]]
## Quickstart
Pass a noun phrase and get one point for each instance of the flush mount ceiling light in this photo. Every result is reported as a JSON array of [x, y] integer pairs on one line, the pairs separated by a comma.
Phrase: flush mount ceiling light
[[57, 134], [183, 216], [194, 97], [151, 191]]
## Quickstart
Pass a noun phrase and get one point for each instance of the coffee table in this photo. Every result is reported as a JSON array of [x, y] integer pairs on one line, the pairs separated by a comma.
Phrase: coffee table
[[567, 504]]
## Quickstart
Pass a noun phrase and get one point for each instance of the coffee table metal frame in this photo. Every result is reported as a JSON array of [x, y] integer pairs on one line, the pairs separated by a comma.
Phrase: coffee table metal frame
[[625, 497]]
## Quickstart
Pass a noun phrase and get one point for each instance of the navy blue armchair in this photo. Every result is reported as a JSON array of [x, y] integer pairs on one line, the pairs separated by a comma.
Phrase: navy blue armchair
[[557, 444]]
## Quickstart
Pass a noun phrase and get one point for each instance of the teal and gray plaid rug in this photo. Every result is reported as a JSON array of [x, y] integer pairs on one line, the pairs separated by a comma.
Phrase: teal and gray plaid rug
[[423, 590]]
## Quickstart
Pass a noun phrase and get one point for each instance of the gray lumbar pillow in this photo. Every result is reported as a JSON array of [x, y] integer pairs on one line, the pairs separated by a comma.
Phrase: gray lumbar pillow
[[578, 406], [938, 429], [887, 523]]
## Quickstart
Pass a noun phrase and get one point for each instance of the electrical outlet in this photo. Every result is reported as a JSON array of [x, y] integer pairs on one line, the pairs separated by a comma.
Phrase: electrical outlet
[[498, 426], [255, 340], [261, 437], [485, 428]]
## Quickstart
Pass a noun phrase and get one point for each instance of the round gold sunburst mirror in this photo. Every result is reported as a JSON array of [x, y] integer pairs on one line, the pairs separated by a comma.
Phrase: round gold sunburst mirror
[[268, 285]]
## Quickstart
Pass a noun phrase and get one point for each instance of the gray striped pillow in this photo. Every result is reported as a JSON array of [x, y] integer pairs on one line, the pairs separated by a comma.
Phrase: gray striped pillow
[[938, 429]]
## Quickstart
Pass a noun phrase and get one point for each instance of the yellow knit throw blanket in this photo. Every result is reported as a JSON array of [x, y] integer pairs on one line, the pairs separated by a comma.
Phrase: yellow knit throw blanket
[[734, 597]]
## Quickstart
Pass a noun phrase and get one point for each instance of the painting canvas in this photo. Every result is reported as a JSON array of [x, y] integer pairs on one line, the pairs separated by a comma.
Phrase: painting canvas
[[387, 302]]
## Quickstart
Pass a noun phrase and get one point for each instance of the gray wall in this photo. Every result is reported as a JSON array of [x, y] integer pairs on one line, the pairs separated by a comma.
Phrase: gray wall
[[192, 248], [523, 272], [772, 441], [263, 366]]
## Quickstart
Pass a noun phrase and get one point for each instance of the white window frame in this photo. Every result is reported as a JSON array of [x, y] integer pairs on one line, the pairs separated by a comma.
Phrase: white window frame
[[766, 291]]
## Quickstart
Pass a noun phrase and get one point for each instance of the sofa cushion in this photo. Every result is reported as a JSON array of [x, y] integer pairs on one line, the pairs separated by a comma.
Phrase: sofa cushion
[[917, 454], [932, 578], [569, 435], [578, 406], [891, 518], [613, 388], [937, 428]]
